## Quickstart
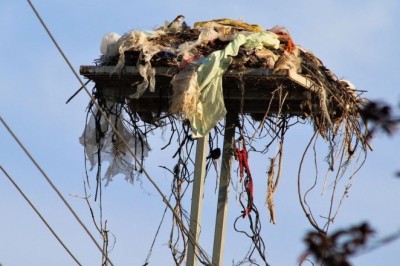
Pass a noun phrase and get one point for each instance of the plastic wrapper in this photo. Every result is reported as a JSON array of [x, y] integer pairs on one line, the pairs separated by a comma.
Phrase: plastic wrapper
[[101, 142]]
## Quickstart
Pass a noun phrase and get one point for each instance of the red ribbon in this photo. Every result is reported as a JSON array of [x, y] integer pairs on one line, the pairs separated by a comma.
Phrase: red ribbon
[[244, 166], [243, 162]]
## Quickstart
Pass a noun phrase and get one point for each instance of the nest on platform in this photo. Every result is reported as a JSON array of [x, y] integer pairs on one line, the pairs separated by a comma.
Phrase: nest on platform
[[331, 104]]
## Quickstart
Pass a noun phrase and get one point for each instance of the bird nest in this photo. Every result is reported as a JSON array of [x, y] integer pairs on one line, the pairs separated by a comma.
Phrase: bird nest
[[326, 99], [185, 80]]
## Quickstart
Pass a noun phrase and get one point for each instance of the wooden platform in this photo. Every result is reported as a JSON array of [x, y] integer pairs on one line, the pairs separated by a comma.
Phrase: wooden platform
[[249, 91], [254, 86]]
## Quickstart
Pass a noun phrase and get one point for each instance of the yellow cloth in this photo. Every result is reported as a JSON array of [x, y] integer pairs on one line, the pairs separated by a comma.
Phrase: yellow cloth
[[211, 106], [228, 24]]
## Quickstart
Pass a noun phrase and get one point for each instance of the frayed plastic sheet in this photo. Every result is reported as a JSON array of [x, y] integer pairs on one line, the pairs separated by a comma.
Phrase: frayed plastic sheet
[[138, 41], [132, 40], [99, 137], [185, 93], [117, 153], [90, 137], [149, 80]]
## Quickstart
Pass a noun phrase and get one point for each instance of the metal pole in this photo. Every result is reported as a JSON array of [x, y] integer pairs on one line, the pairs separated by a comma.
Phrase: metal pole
[[197, 198], [222, 207]]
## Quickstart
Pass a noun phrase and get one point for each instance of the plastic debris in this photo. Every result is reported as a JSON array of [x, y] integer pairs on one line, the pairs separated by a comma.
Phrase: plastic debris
[[269, 79], [200, 56], [186, 93], [108, 46], [211, 107], [98, 137], [181, 47]]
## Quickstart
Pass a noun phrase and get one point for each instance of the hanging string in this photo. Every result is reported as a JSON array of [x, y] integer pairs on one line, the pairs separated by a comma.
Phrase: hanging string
[[249, 208]]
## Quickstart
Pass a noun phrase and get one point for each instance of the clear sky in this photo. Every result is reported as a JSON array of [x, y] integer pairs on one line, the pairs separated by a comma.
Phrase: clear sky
[[357, 40]]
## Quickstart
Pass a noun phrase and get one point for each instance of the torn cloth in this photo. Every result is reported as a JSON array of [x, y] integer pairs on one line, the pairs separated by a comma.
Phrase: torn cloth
[[211, 106]]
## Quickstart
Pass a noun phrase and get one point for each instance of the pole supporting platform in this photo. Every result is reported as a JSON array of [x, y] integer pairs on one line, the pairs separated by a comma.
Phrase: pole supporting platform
[[197, 199], [223, 191]]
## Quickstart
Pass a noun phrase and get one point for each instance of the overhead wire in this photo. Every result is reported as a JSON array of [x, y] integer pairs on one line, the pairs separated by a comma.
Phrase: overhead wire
[[155, 236], [118, 134], [51, 184], [39, 214]]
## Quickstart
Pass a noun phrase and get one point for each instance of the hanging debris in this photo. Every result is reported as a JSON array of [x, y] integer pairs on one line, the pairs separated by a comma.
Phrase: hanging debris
[[103, 143]]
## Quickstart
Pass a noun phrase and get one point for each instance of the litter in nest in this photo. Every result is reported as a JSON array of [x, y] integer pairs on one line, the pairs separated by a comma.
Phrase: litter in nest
[[218, 64], [327, 100], [153, 79]]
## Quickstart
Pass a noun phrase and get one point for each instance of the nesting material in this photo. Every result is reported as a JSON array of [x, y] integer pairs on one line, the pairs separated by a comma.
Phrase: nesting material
[[198, 59], [288, 61], [275, 50]]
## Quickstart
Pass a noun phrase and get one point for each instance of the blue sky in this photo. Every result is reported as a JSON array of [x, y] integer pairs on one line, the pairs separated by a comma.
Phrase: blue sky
[[358, 40]]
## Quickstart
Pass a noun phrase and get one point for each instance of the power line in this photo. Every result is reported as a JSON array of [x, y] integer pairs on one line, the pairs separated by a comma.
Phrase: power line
[[38, 213], [164, 198], [54, 41], [51, 184], [155, 236]]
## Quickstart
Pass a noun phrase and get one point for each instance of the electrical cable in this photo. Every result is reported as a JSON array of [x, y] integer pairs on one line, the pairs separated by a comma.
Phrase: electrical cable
[[164, 198], [51, 184], [155, 236], [39, 214]]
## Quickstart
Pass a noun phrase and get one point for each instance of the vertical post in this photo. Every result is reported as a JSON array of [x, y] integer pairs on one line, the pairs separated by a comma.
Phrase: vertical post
[[197, 199], [222, 206]]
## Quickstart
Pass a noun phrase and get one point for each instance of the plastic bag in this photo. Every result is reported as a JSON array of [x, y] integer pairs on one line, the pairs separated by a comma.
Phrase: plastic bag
[[108, 46], [110, 147]]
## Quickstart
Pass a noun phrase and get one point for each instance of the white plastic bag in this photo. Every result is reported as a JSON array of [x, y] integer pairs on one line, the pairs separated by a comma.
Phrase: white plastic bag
[[108, 44]]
